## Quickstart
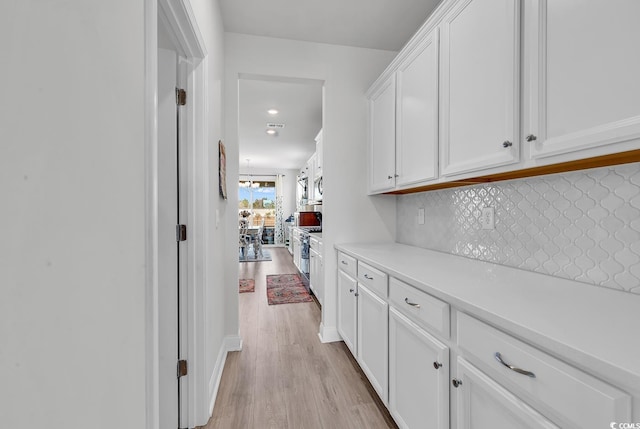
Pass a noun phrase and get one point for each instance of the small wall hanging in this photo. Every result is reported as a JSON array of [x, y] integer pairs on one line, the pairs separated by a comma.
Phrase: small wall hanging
[[222, 170]]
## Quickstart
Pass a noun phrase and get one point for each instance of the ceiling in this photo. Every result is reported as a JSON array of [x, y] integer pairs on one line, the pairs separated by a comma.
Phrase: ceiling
[[300, 110], [376, 24]]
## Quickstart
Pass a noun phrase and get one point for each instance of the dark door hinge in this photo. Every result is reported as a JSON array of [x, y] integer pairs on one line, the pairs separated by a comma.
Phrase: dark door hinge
[[181, 97], [181, 232], [182, 368]]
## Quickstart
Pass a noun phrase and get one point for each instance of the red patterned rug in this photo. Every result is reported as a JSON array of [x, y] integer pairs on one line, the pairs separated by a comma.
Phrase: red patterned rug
[[286, 289], [247, 285]]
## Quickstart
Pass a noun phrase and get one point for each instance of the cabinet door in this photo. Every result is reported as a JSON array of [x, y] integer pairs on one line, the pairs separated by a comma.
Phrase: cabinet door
[[418, 376], [311, 168], [319, 155], [583, 89], [417, 115], [373, 339], [297, 252], [347, 310], [320, 282], [484, 404], [313, 270], [382, 137], [479, 83]]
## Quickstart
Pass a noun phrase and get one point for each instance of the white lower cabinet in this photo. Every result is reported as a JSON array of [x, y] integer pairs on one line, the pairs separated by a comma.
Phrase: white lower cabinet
[[347, 310], [475, 376], [372, 339], [316, 268], [573, 397], [418, 376], [484, 404], [315, 274], [320, 282], [297, 251]]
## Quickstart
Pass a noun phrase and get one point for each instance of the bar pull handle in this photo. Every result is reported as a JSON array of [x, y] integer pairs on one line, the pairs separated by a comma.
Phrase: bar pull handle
[[498, 357], [413, 304]]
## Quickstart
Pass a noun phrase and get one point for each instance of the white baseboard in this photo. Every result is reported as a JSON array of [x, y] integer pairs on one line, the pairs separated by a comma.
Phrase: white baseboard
[[233, 343], [230, 343], [328, 334]]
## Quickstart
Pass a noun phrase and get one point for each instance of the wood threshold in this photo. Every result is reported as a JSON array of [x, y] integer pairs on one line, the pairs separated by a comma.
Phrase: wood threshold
[[563, 167]]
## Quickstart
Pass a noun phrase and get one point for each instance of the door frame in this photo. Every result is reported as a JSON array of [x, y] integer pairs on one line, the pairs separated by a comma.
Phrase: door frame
[[178, 17]]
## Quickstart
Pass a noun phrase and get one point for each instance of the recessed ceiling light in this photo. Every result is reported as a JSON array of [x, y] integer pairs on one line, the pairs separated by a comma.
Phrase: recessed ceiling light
[[271, 132], [272, 111]]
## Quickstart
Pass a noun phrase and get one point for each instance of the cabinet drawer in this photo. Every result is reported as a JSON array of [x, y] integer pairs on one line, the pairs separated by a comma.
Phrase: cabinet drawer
[[579, 399], [313, 243], [424, 309], [372, 278], [347, 264]]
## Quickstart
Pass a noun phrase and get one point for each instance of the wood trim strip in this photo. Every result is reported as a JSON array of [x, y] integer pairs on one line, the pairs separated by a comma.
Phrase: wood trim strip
[[563, 167]]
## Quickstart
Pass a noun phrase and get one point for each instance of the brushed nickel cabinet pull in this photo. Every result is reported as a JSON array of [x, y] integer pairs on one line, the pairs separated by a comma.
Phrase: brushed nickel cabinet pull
[[413, 304], [498, 357]]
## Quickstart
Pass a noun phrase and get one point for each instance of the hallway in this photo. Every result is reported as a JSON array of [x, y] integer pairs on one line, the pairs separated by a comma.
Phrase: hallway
[[284, 377]]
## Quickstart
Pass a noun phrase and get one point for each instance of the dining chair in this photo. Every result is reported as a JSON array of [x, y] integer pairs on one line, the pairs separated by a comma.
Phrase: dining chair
[[243, 238], [257, 240]]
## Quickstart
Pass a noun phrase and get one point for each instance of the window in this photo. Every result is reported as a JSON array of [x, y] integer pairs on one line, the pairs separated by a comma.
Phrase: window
[[257, 201]]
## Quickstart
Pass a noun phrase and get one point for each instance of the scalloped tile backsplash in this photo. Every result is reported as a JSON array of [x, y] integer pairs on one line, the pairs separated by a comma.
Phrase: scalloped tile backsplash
[[583, 225]]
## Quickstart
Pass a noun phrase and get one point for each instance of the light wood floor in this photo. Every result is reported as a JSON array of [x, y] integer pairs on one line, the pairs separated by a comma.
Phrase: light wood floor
[[284, 377]]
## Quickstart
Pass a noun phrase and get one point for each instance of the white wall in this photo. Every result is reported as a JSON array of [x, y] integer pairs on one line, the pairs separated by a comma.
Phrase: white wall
[[348, 214], [72, 258]]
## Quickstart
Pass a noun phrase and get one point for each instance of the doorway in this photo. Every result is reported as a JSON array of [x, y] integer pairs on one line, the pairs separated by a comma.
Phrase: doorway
[[176, 249], [172, 251], [279, 119]]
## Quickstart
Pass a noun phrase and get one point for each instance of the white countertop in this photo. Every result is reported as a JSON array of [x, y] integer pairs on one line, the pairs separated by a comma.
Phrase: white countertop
[[589, 326]]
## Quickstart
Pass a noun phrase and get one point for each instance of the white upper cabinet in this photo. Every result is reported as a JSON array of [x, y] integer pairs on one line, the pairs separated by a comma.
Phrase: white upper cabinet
[[487, 87], [311, 172], [417, 114], [583, 68], [382, 137], [319, 155], [479, 86]]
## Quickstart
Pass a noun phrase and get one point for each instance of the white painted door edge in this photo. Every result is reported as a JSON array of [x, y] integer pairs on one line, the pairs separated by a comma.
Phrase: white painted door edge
[[180, 18]]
